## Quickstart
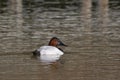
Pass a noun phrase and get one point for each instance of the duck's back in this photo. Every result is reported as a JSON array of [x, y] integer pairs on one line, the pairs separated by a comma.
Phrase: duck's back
[[49, 50]]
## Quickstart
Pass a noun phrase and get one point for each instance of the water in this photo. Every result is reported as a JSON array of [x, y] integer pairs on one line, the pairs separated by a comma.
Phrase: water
[[90, 31]]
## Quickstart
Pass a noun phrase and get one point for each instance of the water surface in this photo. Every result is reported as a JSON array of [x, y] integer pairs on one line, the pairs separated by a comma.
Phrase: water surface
[[91, 32]]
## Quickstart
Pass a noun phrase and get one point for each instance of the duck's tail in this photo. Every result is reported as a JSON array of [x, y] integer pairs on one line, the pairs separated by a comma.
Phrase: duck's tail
[[36, 53]]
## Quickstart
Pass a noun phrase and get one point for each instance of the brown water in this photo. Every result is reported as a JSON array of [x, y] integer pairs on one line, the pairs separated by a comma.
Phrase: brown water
[[91, 33]]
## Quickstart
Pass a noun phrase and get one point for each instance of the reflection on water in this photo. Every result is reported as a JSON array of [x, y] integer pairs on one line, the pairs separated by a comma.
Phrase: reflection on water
[[47, 59], [91, 31]]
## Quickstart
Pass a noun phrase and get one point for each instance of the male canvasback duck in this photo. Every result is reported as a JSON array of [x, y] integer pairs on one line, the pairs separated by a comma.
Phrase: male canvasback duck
[[51, 52]]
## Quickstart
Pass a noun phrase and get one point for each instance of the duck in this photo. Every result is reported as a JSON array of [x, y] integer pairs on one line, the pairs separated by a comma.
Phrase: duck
[[50, 52]]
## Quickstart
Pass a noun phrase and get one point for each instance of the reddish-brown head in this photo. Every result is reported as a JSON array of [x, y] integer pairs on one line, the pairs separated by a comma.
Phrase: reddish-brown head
[[56, 42]]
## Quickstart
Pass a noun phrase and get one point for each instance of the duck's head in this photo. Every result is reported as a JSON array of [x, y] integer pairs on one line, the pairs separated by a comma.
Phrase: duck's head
[[56, 42]]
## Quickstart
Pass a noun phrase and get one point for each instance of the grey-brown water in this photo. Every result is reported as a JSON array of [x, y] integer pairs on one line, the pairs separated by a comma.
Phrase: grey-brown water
[[91, 31]]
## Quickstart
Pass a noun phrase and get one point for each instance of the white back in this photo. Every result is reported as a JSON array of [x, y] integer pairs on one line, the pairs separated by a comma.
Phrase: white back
[[49, 50]]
